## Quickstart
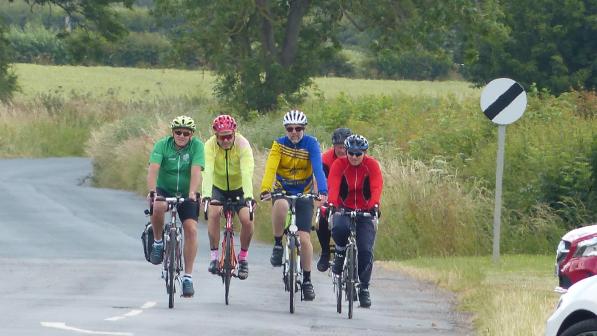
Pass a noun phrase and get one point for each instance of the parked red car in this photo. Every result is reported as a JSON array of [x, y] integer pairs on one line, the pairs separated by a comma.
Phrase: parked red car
[[576, 256]]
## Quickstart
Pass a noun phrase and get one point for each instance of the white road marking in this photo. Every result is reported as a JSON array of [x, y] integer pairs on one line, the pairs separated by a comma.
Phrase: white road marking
[[63, 326], [148, 305], [133, 312]]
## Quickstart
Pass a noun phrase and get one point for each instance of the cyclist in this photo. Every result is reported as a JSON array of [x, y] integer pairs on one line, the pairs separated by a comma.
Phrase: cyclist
[[291, 164], [228, 174], [355, 184], [328, 157], [175, 168]]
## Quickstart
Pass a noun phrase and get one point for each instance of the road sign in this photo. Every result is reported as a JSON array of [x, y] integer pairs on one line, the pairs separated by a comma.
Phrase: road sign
[[503, 101]]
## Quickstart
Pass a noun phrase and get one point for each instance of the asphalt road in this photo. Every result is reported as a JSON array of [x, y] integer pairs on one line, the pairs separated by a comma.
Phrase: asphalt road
[[71, 263]]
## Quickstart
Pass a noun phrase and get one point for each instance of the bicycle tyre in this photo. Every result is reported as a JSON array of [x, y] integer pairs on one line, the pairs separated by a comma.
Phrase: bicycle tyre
[[350, 283], [227, 264], [338, 288], [171, 267], [292, 272]]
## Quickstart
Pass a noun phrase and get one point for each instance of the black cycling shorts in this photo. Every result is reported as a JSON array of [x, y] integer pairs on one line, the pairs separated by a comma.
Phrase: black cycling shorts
[[221, 195], [187, 210], [304, 213]]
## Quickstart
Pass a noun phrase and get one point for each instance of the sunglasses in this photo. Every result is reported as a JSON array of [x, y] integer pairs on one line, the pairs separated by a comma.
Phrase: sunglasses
[[226, 137], [297, 129], [357, 154], [185, 133]]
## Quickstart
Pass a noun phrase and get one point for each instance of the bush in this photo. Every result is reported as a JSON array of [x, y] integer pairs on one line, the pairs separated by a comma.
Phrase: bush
[[413, 64], [36, 44]]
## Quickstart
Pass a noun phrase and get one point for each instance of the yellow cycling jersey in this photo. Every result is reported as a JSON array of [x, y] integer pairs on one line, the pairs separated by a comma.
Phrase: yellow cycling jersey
[[229, 169], [291, 166]]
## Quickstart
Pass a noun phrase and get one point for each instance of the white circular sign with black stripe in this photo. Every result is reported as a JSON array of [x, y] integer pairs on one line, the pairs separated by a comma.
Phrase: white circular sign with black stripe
[[503, 101]]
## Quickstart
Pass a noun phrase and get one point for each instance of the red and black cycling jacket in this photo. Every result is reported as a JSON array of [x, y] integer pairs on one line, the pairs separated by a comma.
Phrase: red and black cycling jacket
[[355, 187], [327, 159]]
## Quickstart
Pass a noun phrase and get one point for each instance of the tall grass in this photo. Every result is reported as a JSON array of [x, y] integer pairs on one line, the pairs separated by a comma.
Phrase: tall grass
[[513, 298]]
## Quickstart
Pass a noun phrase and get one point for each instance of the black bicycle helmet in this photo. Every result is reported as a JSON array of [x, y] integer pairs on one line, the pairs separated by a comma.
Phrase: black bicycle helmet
[[340, 134]]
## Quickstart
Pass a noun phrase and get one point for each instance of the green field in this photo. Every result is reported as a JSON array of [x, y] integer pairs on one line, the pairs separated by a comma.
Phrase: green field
[[147, 84]]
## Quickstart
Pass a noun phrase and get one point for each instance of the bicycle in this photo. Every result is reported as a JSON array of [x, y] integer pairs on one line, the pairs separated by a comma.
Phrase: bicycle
[[348, 281], [228, 262], [291, 269], [173, 241]]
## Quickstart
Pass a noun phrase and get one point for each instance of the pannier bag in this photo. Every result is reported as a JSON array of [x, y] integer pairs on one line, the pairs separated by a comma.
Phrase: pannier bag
[[147, 240]]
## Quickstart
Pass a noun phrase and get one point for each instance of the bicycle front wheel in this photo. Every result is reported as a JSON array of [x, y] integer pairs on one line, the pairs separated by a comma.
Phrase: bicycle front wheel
[[292, 271], [350, 281], [171, 267], [338, 288], [227, 264]]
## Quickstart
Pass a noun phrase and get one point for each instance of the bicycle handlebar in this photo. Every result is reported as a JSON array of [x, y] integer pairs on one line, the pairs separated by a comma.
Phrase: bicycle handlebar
[[208, 201], [297, 196], [169, 200]]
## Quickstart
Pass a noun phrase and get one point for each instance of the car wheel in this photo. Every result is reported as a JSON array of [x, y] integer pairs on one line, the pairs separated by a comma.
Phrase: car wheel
[[582, 328]]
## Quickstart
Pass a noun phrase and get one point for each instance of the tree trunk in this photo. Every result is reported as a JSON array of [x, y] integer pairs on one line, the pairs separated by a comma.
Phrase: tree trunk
[[298, 8]]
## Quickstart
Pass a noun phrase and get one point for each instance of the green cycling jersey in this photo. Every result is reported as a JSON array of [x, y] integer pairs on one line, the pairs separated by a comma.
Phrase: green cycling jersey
[[175, 164]]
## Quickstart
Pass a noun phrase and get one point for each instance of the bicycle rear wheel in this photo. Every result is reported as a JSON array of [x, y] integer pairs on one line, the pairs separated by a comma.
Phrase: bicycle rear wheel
[[227, 264], [349, 274], [292, 271], [171, 267]]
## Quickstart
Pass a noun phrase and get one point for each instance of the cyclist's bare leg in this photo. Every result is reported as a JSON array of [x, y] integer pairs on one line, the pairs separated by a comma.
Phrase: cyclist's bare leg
[[213, 226], [190, 244], [279, 211], [306, 250], [246, 231], [157, 219]]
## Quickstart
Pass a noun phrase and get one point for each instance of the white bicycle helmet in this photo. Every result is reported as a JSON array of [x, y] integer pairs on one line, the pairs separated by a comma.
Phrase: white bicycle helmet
[[295, 117]]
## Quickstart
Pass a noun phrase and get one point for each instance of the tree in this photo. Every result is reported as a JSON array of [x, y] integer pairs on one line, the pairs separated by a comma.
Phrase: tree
[[264, 51], [8, 80], [261, 50], [94, 15], [550, 42]]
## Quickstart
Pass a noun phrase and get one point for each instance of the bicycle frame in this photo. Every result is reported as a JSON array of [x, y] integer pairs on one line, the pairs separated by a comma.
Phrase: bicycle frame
[[228, 260], [291, 262], [348, 281], [173, 241]]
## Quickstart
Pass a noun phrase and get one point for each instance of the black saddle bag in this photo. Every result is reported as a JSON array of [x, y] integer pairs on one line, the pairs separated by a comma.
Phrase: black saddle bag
[[147, 240]]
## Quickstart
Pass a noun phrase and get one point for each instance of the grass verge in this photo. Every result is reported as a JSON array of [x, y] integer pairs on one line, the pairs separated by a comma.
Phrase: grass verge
[[511, 298]]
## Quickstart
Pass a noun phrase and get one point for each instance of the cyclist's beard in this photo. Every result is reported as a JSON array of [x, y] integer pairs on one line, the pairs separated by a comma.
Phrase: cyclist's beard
[[298, 140]]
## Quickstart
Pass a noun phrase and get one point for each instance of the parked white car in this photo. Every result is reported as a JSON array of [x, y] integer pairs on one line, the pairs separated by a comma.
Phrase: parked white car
[[576, 312]]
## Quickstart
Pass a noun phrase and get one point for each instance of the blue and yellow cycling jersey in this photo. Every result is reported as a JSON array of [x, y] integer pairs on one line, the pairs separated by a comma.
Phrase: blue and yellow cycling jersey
[[293, 166]]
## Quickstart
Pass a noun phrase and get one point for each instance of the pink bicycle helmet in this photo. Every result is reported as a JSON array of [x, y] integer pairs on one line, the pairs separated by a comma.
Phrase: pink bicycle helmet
[[224, 122]]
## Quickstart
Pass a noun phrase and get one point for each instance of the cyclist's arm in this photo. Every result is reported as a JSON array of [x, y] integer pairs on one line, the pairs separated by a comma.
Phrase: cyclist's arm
[[152, 176], [247, 166], [197, 164], [271, 166], [376, 182], [155, 161], [195, 181], [334, 180], [208, 176], [315, 157]]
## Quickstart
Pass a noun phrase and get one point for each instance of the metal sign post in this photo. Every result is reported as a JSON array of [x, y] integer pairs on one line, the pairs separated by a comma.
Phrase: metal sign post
[[503, 101], [497, 211]]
